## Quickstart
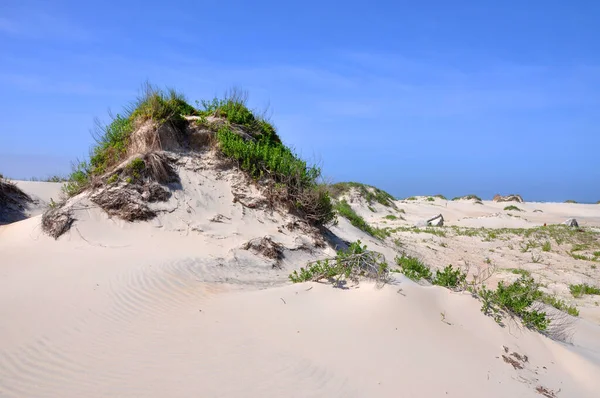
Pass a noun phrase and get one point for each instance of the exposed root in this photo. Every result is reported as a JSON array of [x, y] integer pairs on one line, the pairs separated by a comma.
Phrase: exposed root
[[545, 392], [57, 221], [129, 202], [515, 364], [265, 247], [13, 202]]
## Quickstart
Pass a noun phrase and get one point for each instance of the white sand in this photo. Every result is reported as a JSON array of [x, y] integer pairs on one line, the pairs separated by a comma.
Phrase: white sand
[[173, 308]]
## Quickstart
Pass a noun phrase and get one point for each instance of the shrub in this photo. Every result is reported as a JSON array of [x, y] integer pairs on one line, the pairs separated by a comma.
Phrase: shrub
[[581, 289], [512, 208], [391, 217], [570, 201], [353, 263], [440, 196], [516, 299], [430, 199], [413, 268], [411, 198], [450, 278]]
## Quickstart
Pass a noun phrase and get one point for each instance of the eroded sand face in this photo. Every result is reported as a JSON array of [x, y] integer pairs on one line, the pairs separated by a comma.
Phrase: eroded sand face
[[175, 308]]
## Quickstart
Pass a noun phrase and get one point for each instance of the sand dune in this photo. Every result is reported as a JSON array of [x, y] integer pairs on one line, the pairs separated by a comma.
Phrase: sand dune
[[175, 308]]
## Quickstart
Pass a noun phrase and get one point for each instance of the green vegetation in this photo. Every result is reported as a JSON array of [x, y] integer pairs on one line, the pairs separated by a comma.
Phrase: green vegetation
[[450, 278], [369, 192], [559, 304], [437, 231], [582, 289], [468, 197], [521, 271], [570, 201], [233, 108], [294, 181], [354, 262], [546, 246], [515, 299], [440, 196], [112, 140], [512, 208], [430, 199], [391, 217], [344, 209], [413, 268], [526, 246], [411, 198]]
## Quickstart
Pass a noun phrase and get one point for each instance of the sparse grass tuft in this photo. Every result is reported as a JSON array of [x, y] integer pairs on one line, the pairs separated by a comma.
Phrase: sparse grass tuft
[[369, 192], [582, 289], [234, 109], [546, 246], [344, 209], [559, 304], [411, 198], [512, 208], [440, 196], [521, 271], [468, 197], [430, 199], [391, 217]]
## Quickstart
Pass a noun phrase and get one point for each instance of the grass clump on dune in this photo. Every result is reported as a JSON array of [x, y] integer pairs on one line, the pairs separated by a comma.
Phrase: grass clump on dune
[[369, 192], [266, 156], [346, 211], [546, 246], [112, 140], [260, 153], [582, 289], [559, 304], [512, 208], [234, 109], [440, 196], [468, 197], [570, 201]]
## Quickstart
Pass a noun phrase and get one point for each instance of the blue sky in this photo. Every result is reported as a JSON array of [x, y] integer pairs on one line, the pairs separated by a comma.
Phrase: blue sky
[[414, 97]]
